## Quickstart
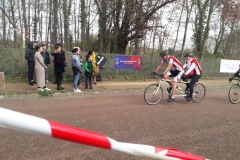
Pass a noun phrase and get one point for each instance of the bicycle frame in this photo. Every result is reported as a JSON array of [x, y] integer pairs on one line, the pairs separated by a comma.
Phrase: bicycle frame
[[164, 82]]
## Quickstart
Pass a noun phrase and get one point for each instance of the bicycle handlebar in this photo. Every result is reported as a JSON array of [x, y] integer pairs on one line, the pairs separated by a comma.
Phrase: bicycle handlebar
[[160, 76], [157, 76], [236, 79]]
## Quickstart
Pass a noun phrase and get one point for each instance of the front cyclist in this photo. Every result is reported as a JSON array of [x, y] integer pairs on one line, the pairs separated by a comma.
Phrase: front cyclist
[[237, 74], [194, 73], [174, 69]]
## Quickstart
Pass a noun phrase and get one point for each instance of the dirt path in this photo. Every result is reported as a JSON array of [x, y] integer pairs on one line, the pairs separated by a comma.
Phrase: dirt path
[[209, 129], [23, 88]]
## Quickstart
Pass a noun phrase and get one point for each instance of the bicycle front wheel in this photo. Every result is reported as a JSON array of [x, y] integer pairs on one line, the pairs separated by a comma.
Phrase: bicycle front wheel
[[153, 94], [199, 92], [234, 93]]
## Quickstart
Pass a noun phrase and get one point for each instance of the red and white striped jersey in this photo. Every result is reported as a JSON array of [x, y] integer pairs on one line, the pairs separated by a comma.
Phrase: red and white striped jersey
[[176, 65], [193, 67]]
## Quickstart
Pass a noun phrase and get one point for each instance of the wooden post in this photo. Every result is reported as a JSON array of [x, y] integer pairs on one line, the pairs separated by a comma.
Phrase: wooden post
[[2, 83]]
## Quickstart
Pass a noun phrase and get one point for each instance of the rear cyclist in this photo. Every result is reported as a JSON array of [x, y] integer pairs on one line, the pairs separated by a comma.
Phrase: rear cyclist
[[174, 69], [237, 74], [194, 73]]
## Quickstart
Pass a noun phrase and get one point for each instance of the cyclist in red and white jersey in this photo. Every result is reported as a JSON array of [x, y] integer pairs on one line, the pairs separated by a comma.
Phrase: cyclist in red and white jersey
[[194, 73], [174, 69]]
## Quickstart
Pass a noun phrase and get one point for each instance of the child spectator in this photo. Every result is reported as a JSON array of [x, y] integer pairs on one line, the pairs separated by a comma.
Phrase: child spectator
[[88, 72]]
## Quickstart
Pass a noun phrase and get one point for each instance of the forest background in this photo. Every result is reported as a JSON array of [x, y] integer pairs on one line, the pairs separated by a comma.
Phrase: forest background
[[208, 28]]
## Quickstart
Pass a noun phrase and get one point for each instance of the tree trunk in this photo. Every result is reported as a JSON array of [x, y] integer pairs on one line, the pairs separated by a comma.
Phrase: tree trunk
[[49, 25], [228, 40], [206, 29], [13, 22], [25, 22], [219, 38], [179, 24], [4, 24], [189, 11], [83, 23], [55, 22], [122, 43], [35, 20]]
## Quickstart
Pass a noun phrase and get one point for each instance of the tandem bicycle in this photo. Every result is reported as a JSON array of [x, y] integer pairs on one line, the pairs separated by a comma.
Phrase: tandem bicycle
[[153, 94], [234, 92]]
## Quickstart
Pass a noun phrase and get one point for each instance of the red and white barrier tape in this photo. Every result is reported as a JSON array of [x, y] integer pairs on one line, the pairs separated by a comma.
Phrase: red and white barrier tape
[[27, 123]]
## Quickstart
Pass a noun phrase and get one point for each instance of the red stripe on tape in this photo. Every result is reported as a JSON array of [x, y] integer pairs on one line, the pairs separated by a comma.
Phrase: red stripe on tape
[[79, 136]]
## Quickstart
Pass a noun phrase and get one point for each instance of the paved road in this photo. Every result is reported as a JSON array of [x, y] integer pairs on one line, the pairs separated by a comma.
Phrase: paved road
[[209, 129]]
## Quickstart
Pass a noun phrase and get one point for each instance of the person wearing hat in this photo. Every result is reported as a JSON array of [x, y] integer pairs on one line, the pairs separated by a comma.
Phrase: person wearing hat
[[194, 73], [174, 69], [237, 74]]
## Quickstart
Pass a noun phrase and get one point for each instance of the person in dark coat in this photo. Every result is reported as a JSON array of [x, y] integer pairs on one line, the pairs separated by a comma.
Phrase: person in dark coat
[[88, 66], [59, 66], [29, 55], [63, 54]]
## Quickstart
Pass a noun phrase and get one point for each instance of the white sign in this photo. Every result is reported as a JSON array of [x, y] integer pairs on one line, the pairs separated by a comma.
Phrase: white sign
[[229, 66]]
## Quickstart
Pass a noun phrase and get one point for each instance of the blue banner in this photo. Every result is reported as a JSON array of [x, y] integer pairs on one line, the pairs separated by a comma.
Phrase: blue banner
[[127, 62]]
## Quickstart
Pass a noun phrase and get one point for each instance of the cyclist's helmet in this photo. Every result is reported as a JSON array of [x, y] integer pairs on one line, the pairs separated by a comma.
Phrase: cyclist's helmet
[[163, 53], [189, 55]]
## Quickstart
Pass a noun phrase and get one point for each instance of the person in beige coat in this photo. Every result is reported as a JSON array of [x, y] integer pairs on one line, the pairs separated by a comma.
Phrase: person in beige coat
[[40, 69]]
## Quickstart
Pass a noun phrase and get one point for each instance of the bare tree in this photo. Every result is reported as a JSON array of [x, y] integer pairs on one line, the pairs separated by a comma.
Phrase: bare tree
[[179, 24], [202, 24], [189, 11], [134, 20], [231, 16], [12, 10], [54, 23], [4, 24], [66, 5], [105, 22]]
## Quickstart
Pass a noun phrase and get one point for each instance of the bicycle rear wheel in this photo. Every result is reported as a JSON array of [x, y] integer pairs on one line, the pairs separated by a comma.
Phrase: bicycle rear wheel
[[153, 94], [199, 92], [234, 93]]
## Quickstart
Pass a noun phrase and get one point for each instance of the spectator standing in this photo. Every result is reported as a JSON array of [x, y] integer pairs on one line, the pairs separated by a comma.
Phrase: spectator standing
[[59, 65], [46, 58], [63, 55], [194, 73], [88, 72], [92, 55], [76, 68], [40, 69], [29, 55]]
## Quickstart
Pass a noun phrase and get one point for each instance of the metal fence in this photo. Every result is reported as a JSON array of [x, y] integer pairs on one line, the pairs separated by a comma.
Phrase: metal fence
[[14, 65]]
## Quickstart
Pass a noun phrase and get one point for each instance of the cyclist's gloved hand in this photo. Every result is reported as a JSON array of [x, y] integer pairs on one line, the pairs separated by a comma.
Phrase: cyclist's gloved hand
[[153, 73], [230, 79]]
